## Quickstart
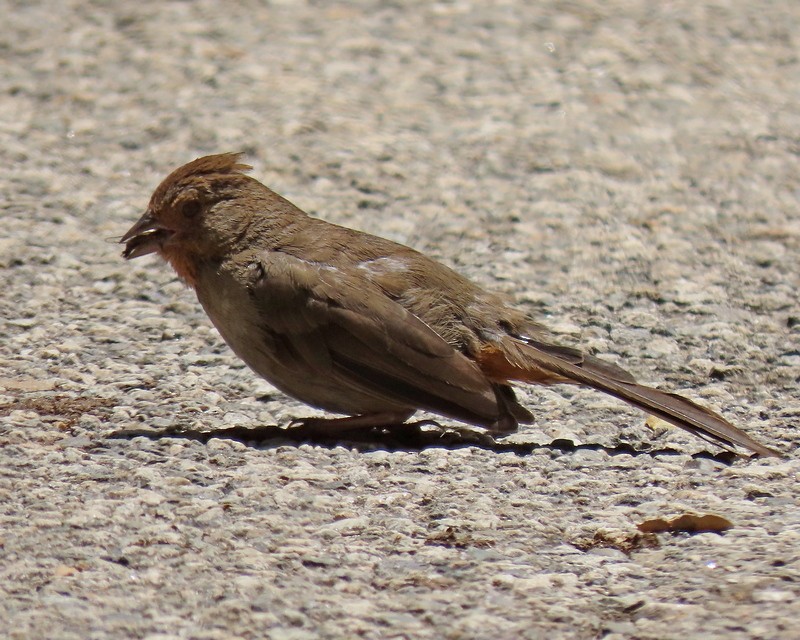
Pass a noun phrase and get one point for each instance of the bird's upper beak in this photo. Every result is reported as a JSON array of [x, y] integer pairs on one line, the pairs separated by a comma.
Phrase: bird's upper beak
[[144, 237]]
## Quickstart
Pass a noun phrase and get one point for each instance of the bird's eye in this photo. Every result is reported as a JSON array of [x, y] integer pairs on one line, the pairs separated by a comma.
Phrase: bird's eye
[[191, 208]]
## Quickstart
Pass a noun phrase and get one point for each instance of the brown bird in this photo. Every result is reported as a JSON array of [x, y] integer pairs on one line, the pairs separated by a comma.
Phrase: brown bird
[[358, 325]]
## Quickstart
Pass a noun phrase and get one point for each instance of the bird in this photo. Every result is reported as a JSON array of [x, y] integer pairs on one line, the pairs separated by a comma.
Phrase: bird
[[362, 326]]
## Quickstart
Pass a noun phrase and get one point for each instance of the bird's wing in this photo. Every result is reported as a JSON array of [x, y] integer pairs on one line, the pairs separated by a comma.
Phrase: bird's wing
[[338, 324]]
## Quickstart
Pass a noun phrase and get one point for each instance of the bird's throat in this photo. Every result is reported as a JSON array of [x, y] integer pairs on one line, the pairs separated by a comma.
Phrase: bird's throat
[[185, 265]]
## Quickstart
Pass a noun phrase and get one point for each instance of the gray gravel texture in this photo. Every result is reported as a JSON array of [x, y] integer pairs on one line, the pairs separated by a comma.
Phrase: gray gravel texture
[[628, 170]]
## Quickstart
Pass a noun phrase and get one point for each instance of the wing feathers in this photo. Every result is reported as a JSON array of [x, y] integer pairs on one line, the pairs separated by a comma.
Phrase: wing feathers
[[340, 327]]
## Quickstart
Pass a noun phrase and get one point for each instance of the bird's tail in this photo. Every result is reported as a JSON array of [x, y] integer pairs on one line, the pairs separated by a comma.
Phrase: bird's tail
[[527, 360]]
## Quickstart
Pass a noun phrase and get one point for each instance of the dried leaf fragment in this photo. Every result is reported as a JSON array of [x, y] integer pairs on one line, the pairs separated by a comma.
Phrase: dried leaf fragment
[[687, 523]]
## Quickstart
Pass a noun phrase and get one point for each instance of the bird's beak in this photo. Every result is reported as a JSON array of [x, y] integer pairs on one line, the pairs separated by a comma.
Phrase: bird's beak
[[146, 236]]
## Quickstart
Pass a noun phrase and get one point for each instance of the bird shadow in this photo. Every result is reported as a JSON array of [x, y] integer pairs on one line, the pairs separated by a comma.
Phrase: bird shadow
[[409, 437]]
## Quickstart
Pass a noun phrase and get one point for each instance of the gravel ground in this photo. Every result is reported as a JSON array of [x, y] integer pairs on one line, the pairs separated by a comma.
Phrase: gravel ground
[[628, 170]]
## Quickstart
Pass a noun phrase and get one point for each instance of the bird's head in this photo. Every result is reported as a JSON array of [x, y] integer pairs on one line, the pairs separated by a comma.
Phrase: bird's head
[[193, 213], [181, 209]]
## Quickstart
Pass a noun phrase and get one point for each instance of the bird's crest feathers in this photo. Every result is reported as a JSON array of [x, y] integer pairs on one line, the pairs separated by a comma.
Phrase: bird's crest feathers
[[219, 164]]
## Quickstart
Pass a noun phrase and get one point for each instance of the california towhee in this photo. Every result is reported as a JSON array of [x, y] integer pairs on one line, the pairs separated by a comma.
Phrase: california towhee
[[362, 326]]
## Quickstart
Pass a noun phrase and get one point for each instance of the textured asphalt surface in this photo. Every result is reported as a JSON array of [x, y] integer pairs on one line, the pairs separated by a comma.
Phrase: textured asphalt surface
[[629, 171]]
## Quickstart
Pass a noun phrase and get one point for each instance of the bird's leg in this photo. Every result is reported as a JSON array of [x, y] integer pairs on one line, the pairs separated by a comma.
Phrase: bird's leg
[[328, 426]]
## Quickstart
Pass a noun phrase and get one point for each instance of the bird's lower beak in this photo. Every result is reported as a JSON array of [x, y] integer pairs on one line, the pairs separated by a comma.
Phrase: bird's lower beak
[[146, 236]]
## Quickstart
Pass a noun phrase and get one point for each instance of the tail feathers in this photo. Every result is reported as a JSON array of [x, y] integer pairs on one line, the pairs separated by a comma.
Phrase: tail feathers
[[532, 361]]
